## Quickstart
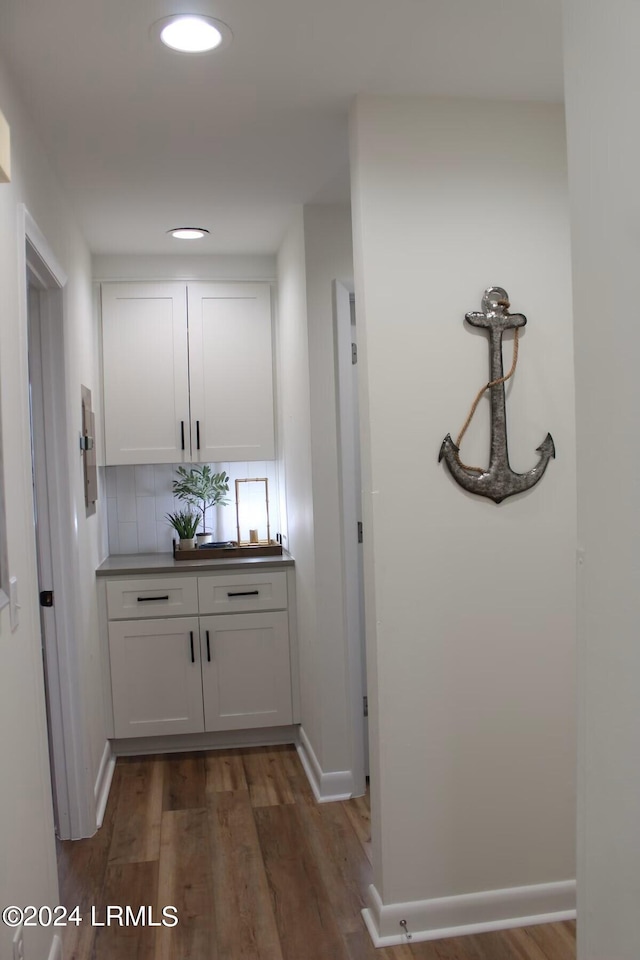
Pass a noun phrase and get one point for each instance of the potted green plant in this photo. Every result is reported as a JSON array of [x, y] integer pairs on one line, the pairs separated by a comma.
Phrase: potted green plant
[[201, 488], [185, 523]]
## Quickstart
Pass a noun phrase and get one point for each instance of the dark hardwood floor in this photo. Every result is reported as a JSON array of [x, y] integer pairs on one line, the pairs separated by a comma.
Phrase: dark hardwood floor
[[256, 869]]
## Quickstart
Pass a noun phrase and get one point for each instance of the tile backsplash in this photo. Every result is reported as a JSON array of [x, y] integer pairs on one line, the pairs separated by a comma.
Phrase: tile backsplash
[[139, 497]]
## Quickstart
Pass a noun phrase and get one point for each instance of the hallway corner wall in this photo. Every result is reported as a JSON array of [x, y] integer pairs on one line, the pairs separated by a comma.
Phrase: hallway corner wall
[[471, 619], [28, 872], [601, 81]]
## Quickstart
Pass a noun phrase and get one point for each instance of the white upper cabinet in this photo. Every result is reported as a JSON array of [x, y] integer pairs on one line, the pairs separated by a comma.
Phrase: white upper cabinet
[[188, 372], [146, 377], [231, 371]]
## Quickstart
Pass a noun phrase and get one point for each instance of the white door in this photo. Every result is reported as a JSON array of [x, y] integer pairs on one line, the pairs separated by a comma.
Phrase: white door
[[351, 526], [156, 680], [246, 671], [45, 561], [146, 377], [231, 372]]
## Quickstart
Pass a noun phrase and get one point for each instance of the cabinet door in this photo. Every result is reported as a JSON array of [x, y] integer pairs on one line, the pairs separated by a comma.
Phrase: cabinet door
[[156, 681], [142, 598], [231, 371], [146, 379], [246, 673]]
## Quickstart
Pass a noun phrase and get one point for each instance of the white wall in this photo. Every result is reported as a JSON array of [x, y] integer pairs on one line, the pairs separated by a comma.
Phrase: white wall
[[184, 267], [82, 366], [328, 257], [601, 79], [294, 445], [316, 251], [470, 605], [27, 863]]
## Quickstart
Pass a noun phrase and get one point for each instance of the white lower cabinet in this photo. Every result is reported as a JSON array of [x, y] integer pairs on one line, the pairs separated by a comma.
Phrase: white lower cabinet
[[201, 673]]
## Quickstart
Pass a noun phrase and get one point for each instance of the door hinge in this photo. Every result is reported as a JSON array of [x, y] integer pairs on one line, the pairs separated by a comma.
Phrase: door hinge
[[360, 533], [46, 598], [354, 353], [365, 706]]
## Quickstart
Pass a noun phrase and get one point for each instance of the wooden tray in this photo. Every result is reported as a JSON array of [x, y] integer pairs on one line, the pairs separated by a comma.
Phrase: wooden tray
[[272, 549]]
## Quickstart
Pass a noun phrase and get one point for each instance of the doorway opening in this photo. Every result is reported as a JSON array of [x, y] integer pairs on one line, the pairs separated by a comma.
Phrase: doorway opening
[[346, 354], [42, 319]]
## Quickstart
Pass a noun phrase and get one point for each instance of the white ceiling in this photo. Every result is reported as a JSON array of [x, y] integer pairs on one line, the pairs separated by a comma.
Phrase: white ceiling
[[145, 139]]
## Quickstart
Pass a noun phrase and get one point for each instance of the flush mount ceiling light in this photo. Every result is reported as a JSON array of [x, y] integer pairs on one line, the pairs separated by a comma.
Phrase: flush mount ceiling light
[[192, 33], [188, 233]]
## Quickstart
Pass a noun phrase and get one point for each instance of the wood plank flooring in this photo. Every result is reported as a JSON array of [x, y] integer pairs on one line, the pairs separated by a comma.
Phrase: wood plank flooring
[[256, 869]]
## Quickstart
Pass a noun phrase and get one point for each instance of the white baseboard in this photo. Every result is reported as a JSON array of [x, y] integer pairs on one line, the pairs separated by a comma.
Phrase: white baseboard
[[103, 782], [55, 953], [470, 913], [221, 740], [327, 787]]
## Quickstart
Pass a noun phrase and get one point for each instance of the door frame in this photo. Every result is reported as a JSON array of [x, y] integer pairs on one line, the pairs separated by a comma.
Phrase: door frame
[[73, 792], [350, 514]]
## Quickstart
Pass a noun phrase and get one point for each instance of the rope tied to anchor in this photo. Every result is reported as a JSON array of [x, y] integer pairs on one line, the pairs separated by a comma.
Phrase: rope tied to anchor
[[481, 393]]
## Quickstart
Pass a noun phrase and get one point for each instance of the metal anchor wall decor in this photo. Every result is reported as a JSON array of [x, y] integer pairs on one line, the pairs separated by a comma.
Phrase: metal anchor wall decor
[[498, 481]]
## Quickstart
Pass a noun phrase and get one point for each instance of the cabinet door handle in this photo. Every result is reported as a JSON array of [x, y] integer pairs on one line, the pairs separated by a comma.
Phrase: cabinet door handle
[[245, 593], [208, 647], [193, 656], [197, 434], [147, 599], [182, 433]]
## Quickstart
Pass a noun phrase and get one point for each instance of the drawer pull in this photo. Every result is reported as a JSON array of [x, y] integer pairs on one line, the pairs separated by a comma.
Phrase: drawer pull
[[147, 599], [208, 647], [245, 593], [193, 656]]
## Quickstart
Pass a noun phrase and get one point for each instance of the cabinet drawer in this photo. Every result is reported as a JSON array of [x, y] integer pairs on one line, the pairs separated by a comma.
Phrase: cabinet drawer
[[243, 592], [157, 597]]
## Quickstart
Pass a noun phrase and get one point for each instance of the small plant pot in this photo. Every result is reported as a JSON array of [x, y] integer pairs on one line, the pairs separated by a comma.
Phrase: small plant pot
[[187, 544], [203, 538]]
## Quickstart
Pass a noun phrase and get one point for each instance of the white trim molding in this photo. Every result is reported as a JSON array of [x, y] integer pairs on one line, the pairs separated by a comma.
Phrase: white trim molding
[[327, 787], [103, 782], [55, 952], [213, 740], [469, 913], [38, 241]]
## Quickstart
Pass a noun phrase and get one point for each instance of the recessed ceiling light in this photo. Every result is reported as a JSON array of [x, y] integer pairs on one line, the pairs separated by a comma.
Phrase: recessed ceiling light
[[192, 33], [188, 233]]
